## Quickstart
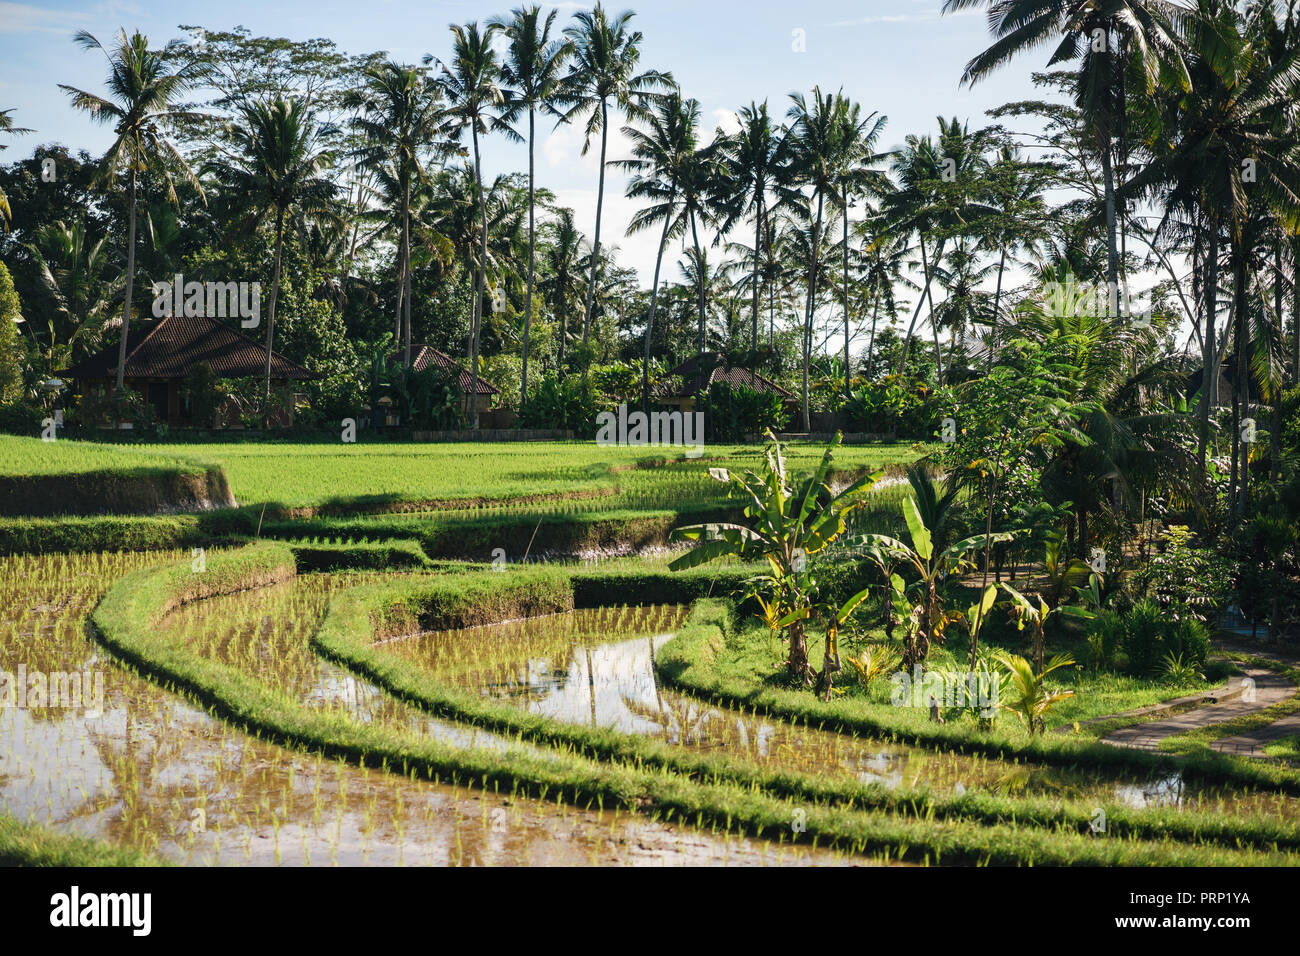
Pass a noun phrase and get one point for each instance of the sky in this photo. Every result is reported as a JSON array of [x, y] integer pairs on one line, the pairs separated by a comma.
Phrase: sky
[[901, 58]]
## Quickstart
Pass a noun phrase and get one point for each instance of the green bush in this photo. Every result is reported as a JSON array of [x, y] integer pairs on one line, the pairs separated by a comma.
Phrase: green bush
[[1149, 635], [734, 412], [562, 404]]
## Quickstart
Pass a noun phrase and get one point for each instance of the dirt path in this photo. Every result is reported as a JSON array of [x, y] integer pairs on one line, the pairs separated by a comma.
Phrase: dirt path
[[1269, 688]]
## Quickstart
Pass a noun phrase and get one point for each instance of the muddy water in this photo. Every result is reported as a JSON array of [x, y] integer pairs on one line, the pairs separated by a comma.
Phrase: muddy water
[[145, 769], [596, 667]]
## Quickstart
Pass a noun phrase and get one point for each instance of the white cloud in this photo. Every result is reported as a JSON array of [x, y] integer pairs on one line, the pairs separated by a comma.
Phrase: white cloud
[[23, 18], [727, 120]]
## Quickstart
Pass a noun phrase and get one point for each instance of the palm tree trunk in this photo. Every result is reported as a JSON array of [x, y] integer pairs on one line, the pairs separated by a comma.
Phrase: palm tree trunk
[[478, 289], [528, 301], [925, 294], [1275, 430], [845, 263], [406, 281], [758, 243], [1108, 179], [650, 322], [270, 319], [699, 268], [997, 304], [871, 345], [1209, 372], [595, 243], [401, 267], [130, 287], [810, 308]]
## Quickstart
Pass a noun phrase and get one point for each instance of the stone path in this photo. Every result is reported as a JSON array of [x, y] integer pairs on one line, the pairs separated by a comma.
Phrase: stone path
[[1270, 688]]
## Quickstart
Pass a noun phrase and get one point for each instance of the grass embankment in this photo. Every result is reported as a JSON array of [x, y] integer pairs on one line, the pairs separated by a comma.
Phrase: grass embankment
[[737, 670], [39, 478], [473, 499], [28, 844], [367, 613], [126, 622]]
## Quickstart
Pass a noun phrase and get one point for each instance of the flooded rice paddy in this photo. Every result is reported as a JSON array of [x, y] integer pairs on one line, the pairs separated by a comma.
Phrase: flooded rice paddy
[[145, 769], [596, 667]]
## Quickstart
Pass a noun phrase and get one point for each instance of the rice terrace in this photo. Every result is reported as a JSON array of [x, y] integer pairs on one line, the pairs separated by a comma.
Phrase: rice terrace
[[462, 447]]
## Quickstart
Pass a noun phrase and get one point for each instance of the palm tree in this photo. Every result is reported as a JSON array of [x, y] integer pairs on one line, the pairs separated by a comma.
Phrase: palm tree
[[881, 259], [857, 136], [139, 105], [605, 54], [815, 143], [1112, 39], [470, 83], [756, 158], [661, 162], [399, 121], [1016, 223], [531, 70], [1232, 119], [938, 188], [277, 165], [562, 259], [73, 271], [7, 126]]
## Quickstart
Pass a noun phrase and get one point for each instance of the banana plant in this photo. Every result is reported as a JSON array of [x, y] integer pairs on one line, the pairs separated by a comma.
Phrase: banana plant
[[789, 524], [1031, 700], [931, 567]]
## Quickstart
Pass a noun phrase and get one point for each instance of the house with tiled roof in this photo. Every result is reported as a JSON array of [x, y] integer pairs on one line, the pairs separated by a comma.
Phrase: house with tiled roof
[[162, 353], [683, 386], [426, 356]]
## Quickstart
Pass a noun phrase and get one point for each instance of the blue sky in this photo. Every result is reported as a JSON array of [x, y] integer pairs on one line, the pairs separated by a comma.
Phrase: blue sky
[[899, 57]]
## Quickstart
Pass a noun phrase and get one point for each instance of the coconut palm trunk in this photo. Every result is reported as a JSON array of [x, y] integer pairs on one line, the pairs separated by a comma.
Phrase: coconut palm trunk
[[270, 316], [758, 243], [809, 309], [532, 235], [845, 263], [650, 322], [130, 287], [595, 242], [997, 306], [1209, 371], [478, 288], [699, 267]]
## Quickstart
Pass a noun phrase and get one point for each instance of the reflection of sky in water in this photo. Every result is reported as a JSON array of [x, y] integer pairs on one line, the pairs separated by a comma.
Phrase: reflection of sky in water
[[1165, 792], [581, 668]]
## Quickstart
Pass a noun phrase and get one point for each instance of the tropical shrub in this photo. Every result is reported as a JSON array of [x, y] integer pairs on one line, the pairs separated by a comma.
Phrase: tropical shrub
[[894, 404], [571, 403], [731, 413], [1185, 579]]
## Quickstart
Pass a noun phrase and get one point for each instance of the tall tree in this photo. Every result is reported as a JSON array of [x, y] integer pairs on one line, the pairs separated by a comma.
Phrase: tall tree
[[532, 71], [139, 105], [400, 121], [663, 157], [602, 71], [756, 158], [1112, 40], [277, 165], [470, 82]]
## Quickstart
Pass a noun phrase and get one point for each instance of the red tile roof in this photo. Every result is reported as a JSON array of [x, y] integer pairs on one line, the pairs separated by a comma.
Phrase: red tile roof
[[174, 344], [713, 368], [422, 356]]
